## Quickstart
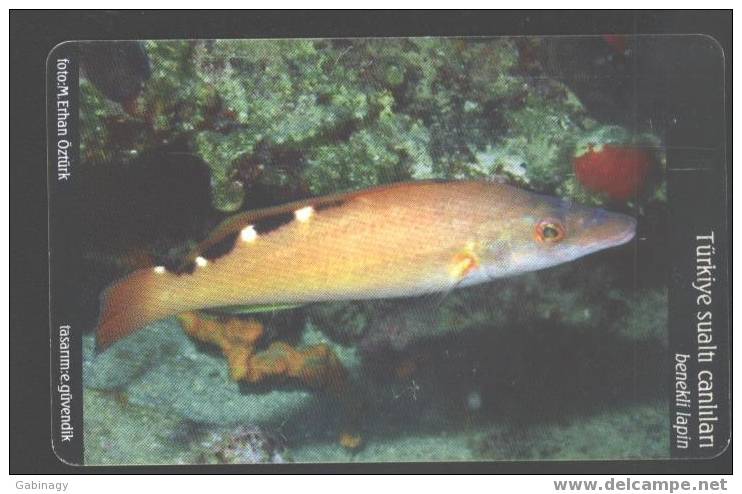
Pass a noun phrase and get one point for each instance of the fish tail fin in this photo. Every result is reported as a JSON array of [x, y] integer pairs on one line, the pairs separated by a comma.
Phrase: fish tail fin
[[130, 304]]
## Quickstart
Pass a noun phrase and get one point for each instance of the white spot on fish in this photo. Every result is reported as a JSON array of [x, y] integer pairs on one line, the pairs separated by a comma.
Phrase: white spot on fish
[[201, 262], [302, 215], [159, 269], [248, 234]]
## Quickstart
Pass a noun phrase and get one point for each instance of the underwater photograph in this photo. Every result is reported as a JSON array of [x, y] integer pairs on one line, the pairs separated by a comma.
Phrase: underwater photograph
[[375, 249]]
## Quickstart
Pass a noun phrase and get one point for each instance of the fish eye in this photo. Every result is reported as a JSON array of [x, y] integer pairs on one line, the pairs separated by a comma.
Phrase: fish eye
[[549, 231]]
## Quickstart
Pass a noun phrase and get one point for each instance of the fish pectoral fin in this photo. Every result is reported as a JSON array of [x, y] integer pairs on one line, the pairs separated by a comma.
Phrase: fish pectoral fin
[[236, 224], [463, 263], [459, 267]]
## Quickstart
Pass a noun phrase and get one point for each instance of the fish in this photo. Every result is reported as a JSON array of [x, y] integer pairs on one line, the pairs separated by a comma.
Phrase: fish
[[398, 240]]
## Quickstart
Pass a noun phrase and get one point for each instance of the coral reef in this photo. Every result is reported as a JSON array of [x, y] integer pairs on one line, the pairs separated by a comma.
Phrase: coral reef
[[236, 338], [315, 366], [276, 120]]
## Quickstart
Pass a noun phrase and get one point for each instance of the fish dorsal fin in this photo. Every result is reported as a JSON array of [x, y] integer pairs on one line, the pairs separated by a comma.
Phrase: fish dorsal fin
[[262, 220], [267, 219]]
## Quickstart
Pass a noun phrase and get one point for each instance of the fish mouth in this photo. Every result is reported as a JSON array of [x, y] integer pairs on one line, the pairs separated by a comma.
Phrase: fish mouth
[[616, 229], [627, 233]]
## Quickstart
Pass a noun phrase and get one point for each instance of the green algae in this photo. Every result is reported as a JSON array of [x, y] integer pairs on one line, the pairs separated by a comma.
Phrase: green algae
[[339, 114]]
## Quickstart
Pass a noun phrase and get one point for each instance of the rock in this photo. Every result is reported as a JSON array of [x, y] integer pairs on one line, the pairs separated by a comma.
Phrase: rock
[[170, 372]]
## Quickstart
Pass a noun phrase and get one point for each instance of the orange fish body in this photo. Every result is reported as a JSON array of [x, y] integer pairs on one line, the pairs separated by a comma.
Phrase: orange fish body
[[392, 241]]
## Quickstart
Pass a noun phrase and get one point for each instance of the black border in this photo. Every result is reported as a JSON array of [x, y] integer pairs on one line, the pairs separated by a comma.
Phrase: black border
[[34, 34]]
